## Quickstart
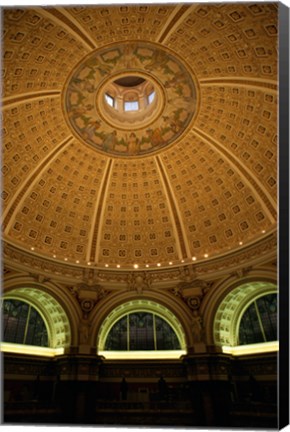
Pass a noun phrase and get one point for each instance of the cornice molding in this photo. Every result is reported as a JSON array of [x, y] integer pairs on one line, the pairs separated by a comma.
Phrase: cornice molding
[[255, 254]]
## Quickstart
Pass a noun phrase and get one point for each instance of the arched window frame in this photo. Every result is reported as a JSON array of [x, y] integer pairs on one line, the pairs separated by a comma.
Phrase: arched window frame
[[229, 314], [54, 316], [31, 306], [140, 306], [152, 339], [249, 304]]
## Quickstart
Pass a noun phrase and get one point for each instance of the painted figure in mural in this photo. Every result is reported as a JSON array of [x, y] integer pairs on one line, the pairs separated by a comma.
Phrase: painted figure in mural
[[81, 111], [130, 59], [155, 136], [90, 129], [82, 85], [176, 124], [110, 141], [159, 60], [180, 103], [96, 65], [178, 83], [133, 144]]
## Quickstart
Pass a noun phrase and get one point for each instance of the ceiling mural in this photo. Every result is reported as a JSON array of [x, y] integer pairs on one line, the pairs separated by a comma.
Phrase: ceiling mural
[[85, 91]]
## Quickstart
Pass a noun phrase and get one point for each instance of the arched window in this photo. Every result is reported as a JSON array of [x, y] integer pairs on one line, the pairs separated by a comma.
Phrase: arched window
[[22, 324], [245, 321], [34, 323], [141, 331], [259, 322]]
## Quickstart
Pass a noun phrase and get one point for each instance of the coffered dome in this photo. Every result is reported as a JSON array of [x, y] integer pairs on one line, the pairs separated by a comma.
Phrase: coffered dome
[[186, 176]]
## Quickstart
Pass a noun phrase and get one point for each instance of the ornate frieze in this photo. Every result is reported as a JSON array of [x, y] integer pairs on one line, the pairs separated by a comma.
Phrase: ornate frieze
[[260, 252]]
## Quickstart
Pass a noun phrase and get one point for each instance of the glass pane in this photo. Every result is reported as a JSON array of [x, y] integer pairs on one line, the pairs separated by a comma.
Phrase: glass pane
[[141, 334], [109, 100], [250, 330], [165, 335], [131, 106], [117, 338], [267, 307], [14, 320], [15, 316], [151, 97], [141, 331], [36, 332]]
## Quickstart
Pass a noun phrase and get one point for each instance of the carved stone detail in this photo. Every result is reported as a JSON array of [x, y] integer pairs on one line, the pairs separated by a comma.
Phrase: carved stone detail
[[197, 327], [194, 302], [88, 296], [242, 272], [139, 281], [26, 261]]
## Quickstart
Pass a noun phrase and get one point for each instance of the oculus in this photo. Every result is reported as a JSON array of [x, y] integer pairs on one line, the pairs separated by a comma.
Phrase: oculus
[[130, 99], [130, 103]]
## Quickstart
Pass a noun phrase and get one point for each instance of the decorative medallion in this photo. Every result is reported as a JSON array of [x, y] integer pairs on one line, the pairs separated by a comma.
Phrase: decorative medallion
[[130, 99]]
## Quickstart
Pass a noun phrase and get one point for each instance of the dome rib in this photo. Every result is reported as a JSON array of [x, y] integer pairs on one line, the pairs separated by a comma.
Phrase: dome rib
[[178, 14], [12, 101], [94, 239], [182, 247], [266, 84], [64, 19], [13, 208], [267, 201]]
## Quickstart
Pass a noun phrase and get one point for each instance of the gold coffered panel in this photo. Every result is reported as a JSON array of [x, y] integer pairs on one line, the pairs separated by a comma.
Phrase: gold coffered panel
[[212, 191], [108, 24], [229, 40], [38, 52]]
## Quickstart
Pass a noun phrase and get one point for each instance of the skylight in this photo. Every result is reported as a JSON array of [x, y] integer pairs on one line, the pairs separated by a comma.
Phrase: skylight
[[109, 99], [131, 106], [151, 97]]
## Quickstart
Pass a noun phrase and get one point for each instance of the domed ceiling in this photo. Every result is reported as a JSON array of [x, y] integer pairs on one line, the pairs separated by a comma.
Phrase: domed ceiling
[[188, 177]]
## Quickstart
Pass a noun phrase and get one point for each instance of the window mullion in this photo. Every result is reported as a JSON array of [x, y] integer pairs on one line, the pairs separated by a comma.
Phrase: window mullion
[[9, 315], [260, 321], [154, 333], [128, 333], [26, 324]]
